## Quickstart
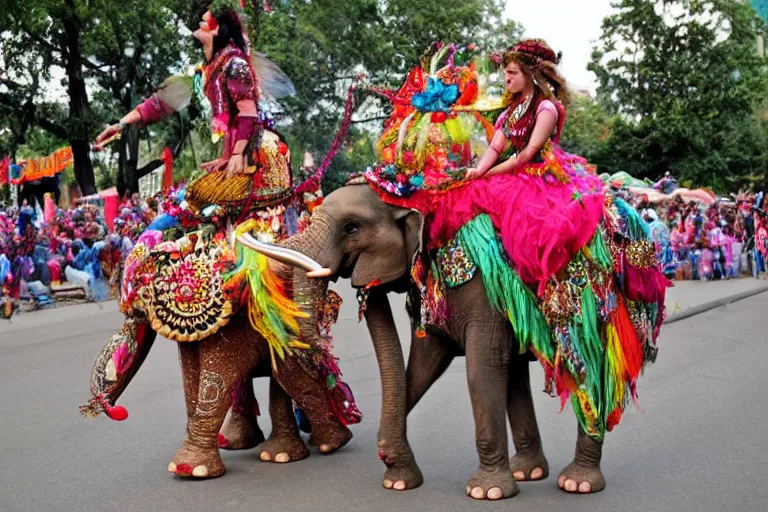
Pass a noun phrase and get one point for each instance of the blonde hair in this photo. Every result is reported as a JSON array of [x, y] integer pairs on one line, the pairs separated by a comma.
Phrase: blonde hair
[[543, 74]]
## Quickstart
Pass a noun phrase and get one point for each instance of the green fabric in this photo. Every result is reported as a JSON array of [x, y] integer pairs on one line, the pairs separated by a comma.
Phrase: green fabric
[[506, 291]]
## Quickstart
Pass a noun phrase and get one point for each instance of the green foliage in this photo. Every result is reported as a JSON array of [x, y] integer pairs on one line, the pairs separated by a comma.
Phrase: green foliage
[[684, 75], [321, 45], [588, 129]]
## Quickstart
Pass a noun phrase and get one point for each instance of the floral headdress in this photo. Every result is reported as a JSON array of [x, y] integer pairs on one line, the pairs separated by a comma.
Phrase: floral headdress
[[533, 52]]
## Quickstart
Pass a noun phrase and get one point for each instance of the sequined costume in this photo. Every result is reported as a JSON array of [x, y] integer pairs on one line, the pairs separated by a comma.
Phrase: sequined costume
[[573, 268]]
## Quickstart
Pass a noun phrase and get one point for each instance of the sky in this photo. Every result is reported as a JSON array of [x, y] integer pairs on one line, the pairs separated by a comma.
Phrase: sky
[[569, 26]]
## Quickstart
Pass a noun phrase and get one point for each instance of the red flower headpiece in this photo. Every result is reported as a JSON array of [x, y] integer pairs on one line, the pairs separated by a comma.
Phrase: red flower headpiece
[[536, 49]]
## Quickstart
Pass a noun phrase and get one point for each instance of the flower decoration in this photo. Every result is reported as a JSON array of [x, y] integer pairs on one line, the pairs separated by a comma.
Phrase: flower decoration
[[438, 97]]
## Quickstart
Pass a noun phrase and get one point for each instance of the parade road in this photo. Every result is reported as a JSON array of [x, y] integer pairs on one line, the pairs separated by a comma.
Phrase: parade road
[[699, 444]]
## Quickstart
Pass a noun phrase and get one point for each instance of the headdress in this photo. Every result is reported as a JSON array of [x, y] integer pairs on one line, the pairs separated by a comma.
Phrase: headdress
[[534, 51]]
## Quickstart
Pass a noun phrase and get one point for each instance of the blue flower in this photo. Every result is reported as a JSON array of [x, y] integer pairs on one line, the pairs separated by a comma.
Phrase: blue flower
[[437, 98], [416, 180]]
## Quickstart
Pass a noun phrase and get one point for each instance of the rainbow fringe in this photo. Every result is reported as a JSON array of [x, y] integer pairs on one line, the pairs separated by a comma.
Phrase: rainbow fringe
[[594, 358], [271, 311]]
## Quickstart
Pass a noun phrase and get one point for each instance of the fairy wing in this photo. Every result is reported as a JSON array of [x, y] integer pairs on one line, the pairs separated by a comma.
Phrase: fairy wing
[[177, 91], [272, 80]]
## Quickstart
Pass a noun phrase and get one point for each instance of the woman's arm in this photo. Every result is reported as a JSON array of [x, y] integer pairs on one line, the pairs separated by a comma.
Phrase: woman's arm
[[542, 130], [247, 124]]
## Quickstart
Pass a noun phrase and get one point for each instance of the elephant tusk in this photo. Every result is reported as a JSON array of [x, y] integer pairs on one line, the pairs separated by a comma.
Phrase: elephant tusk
[[285, 255]]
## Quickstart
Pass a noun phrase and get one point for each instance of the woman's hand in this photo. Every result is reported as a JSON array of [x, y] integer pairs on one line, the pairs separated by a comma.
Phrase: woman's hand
[[236, 164], [214, 165], [473, 174], [108, 133]]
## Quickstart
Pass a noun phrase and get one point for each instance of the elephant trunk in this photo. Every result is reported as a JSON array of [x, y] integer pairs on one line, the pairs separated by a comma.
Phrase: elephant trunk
[[115, 367]]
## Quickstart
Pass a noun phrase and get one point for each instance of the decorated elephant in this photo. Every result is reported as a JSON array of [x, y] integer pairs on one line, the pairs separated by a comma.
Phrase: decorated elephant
[[233, 320], [464, 298]]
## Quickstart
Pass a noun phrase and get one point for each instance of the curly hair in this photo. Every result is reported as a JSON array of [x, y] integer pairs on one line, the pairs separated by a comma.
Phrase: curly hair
[[542, 73]]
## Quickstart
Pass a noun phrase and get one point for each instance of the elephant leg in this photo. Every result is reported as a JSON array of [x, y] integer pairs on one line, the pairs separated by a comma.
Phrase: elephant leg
[[222, 364], [529, 462], [583, 475], [328, 434], [241, 428], [189, 359], [394, 449], [488, 359], [428, 359], [284, 443]]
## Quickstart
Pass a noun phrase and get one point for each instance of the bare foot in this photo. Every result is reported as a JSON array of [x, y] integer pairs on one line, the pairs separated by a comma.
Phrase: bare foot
[[492, 485], [283, 449], [191, 461], [239, 432], [581, 479], [529, 468]]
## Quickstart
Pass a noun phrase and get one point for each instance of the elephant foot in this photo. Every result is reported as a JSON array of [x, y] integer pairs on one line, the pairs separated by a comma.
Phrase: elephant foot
[[402, 471], [239, 432], [495, 484], [580, 479], [283, 449], [529, 468], [329, 438], [191, 461]]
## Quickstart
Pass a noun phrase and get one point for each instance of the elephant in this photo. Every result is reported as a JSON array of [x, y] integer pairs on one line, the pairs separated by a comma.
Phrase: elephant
[[217, 373], [356, 235]]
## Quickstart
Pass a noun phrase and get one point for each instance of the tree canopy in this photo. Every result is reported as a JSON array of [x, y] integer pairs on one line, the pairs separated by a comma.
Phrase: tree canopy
[[684, 77]]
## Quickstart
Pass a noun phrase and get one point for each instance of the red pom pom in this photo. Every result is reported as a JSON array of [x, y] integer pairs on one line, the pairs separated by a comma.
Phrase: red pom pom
[[117, 413], [282, 148]]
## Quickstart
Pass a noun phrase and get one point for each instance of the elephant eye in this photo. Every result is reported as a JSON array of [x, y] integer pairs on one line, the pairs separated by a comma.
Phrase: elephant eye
[[351, 227]]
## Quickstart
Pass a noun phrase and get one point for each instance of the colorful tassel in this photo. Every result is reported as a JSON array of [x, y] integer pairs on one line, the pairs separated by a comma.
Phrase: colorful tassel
[[271, 312]]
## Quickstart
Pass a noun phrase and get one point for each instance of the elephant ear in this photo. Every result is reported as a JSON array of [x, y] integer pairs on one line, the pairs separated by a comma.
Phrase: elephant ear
[[390, 257]]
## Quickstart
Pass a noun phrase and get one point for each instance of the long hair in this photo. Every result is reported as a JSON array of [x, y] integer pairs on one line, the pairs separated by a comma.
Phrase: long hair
[[544, 75], [230, 30]]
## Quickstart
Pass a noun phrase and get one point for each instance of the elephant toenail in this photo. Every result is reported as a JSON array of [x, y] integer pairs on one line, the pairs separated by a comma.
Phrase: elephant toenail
[[172, 467], [325, 448], [494, 493], [282, 457], [537, 473], [585, 487], [200, 471], [570, 485], [478, 493], [469, 490], [519, 475], [400, 485], [265, 456], [387, 484], [561, 482]]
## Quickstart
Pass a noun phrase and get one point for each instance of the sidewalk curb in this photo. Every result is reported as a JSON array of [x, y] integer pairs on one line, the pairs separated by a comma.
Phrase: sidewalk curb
[[722, 301]]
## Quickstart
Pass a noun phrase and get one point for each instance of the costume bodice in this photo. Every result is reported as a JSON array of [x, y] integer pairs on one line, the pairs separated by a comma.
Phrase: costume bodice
[[517, 122]]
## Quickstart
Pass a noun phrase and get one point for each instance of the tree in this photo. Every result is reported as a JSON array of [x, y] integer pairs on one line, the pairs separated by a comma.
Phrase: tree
[[120, 49], [321, 45], [684, 75], [587, 131]]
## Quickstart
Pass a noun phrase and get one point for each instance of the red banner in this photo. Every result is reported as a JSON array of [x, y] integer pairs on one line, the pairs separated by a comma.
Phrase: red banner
[[36, 169]]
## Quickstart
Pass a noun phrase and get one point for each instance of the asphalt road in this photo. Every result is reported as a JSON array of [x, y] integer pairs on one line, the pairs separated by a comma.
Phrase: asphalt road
[[700, 445]]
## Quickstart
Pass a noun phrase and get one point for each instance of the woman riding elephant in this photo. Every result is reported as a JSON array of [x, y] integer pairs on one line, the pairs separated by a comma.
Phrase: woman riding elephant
[[536, 258], [229, 311]]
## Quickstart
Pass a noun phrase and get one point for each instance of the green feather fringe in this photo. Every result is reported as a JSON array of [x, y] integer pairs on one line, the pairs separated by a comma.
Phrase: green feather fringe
[[506, 291], [600, 253]]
